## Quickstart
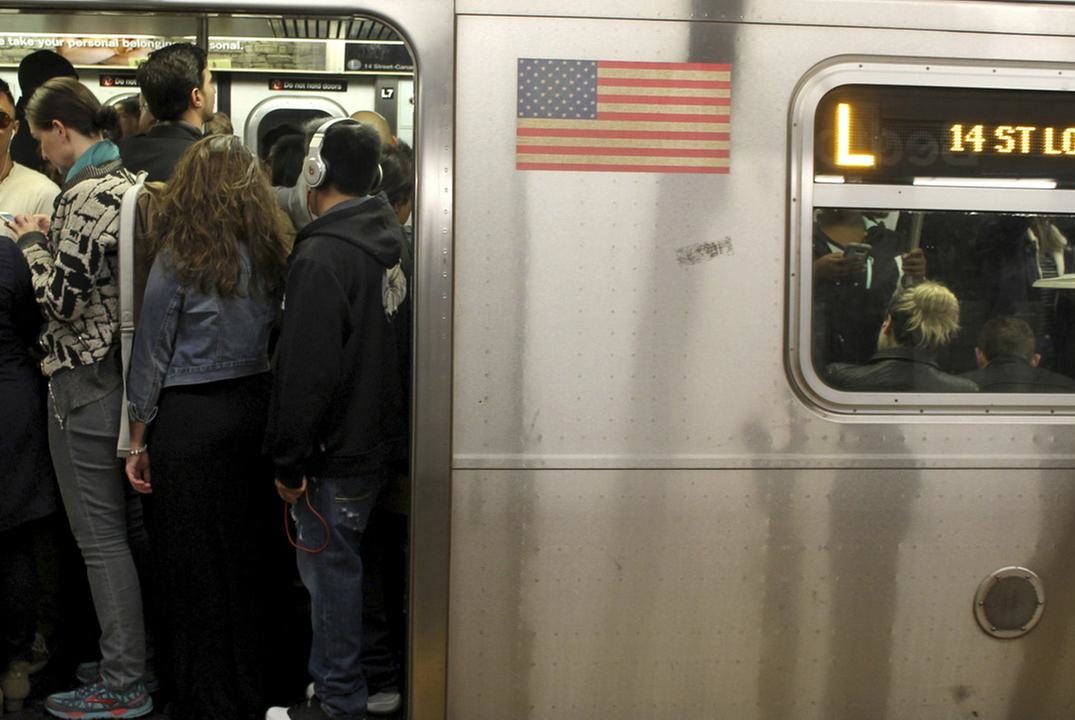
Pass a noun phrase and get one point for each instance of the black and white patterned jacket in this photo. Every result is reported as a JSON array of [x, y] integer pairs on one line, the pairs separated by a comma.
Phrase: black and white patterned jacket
[[75, 268]]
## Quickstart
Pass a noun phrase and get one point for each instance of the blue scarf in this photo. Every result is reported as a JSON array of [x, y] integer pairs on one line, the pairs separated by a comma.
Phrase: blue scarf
[[100, 153]]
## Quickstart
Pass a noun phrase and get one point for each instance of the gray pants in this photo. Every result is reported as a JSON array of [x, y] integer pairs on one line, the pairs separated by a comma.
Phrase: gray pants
[[106, 519]]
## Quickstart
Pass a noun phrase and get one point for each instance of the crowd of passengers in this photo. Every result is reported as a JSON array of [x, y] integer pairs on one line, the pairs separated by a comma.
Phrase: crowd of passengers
[[269, 362], [880, 324]]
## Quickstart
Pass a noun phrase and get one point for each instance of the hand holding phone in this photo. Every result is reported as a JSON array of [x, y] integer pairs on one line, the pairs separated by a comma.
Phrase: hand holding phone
[[857, 250], [21, 224], [855, 255]]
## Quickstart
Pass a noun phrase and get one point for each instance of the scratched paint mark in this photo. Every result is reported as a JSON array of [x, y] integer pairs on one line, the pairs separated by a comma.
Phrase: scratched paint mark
[[704, 252], [961, 693], [617, 563]]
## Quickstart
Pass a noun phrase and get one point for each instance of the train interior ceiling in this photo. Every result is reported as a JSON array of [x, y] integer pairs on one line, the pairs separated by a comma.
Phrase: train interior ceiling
[[270, 70]]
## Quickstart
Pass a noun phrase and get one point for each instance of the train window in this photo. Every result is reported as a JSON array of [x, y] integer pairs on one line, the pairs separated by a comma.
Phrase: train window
[[935, 244], [943, 301]]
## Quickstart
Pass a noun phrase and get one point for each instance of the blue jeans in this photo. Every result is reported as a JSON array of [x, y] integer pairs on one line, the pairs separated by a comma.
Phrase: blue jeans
[[333, 578]]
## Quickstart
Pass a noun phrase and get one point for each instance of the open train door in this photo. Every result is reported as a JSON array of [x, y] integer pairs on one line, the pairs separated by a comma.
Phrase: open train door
[[426, 30]]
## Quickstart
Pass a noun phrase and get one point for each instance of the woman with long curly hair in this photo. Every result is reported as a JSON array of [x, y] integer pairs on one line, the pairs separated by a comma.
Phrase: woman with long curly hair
[[198, 390]]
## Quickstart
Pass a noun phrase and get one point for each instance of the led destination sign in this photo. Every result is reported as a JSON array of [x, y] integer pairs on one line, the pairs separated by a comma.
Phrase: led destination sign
[[894, 134], [1010, 139]]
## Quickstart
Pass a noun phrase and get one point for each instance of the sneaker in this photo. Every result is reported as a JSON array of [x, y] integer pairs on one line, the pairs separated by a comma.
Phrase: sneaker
[[88, 673], [384, 702], [309, 710], [96, 700]]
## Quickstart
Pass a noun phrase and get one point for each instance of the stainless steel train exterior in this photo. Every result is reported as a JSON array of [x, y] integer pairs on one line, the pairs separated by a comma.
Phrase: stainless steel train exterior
[[630, 498]]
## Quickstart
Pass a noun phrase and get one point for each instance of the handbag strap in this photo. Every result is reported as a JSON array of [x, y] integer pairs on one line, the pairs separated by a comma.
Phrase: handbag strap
[[128, 217]]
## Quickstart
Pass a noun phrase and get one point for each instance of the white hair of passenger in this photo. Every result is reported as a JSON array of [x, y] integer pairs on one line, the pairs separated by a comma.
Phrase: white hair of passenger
[[924, 316]]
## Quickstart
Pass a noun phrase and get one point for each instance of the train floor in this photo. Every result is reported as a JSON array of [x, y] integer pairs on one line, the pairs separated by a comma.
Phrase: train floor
[[291, 680], [35, 710], [38, 713]]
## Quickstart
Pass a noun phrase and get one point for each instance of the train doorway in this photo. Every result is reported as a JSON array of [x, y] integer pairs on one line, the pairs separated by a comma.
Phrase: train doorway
[[276, 70]]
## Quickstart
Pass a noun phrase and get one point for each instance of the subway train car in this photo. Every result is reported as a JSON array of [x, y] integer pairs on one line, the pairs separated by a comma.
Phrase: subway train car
[[639, 488]]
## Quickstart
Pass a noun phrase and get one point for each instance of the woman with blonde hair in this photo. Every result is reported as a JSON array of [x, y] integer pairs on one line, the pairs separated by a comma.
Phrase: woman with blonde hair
[[921, 320], [198, 390], [74, 272]]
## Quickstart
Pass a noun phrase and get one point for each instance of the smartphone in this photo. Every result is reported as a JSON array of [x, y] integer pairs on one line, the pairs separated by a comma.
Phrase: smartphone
[[7, 217], [857, 250]]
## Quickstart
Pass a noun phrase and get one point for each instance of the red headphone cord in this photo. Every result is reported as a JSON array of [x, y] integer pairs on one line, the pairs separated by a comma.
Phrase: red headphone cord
[[320, 519]]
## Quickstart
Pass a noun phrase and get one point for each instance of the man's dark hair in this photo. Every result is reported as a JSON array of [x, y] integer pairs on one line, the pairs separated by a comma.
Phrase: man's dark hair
[[351, 151], [5, 90], [838, 217], [39, 66], [285, 160], [271, 137], [129, 106], [168, 76], [397, 162], [1006, 335]]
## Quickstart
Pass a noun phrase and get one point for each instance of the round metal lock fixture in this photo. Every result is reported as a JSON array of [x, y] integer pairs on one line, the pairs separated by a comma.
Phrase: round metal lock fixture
[[1009, 603]]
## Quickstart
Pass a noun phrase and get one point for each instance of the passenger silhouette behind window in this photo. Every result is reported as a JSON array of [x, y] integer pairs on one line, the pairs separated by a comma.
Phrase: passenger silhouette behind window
[[920, 321], [1008, 362], [855, 276]]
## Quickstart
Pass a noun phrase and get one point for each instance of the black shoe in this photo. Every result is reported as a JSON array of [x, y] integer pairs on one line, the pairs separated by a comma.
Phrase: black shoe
[[309, 710]]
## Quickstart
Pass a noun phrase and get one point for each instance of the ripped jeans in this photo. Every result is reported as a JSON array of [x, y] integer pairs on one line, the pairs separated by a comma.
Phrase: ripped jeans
[[333, 578]]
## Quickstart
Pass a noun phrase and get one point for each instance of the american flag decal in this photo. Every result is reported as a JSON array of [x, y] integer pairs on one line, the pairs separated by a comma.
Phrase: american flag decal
[[601, 115]]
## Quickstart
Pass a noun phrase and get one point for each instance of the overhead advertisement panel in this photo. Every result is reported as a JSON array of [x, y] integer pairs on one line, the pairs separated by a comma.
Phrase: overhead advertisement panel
[[225, 53]]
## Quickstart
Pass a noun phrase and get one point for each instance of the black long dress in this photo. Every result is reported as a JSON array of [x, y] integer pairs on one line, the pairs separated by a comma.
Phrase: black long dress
[[29, 488]]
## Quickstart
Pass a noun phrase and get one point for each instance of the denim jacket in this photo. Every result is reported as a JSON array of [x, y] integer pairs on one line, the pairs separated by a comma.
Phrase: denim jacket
[[188, 337]]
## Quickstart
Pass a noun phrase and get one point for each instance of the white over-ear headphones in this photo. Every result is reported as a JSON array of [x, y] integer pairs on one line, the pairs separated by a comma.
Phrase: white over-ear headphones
[[377, 180], [314, 169]]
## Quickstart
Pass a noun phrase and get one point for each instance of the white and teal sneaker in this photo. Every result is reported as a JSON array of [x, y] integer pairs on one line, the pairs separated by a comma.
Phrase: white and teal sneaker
[[97, 701]]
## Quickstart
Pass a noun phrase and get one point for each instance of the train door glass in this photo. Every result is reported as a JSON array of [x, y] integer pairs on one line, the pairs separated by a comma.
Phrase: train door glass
[[931, 210]]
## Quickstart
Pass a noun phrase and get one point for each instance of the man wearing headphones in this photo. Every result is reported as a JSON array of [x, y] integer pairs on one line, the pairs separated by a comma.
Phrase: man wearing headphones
[[336, 414]]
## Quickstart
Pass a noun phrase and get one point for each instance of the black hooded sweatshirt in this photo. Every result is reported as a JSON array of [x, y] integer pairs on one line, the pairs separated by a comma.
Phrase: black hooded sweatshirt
[[337, 397]]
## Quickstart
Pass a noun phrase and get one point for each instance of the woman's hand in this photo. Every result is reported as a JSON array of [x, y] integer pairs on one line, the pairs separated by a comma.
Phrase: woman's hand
[[138, 474], [836, 265], [23, 224]]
